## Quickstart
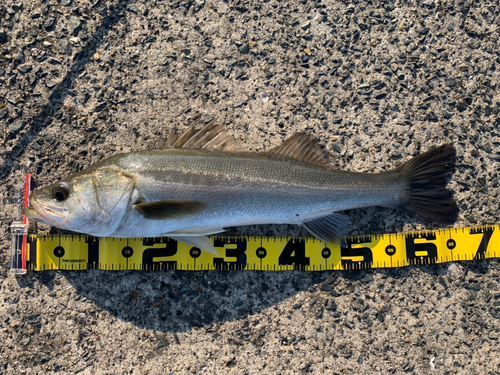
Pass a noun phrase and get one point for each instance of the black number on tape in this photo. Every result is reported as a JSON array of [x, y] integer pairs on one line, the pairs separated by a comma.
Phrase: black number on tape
[[59, 251], [390, 250], [451, 244], [195, 252], [169, 249], [239, 253], [485, 240], [298, 259], [127, 252], [421, 252], [351, 252], [93, 251], [261, 253], [326, 253]]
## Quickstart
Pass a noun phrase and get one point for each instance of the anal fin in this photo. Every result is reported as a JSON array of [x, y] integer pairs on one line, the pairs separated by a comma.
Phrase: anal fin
[[199, 231], [201, 242], [329, 228]]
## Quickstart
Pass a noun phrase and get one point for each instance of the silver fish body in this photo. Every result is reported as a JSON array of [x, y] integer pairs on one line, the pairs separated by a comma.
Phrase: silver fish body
[[245, 188], [200, 185]]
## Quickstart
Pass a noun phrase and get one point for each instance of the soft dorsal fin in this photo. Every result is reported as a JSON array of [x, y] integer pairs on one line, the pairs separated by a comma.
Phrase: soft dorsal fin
[[212, 136], [301, 147]]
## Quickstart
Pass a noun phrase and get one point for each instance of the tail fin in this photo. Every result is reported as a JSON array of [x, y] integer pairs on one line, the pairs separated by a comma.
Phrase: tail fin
[[427, 176]]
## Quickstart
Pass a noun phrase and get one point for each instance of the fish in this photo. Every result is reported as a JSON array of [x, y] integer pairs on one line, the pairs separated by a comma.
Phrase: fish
[[202, 182]]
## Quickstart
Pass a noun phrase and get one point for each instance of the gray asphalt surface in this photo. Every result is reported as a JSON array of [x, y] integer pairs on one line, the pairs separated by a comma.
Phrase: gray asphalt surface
[[376, 82]]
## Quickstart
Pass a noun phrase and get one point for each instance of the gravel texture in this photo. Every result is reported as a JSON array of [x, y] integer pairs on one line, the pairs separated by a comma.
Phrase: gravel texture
[[376, 82]]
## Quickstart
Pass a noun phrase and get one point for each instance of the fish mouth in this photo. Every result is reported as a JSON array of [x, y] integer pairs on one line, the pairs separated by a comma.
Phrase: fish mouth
[[45, 214]]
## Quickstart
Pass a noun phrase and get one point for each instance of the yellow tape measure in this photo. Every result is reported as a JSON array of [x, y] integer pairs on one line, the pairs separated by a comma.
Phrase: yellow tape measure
[[82, 252]]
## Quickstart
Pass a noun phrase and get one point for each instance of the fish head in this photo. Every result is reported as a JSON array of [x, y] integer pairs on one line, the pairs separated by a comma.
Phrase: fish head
[[93, 203]]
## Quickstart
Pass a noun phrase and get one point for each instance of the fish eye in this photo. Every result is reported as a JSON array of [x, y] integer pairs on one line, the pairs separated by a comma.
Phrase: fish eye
[[60, 192]]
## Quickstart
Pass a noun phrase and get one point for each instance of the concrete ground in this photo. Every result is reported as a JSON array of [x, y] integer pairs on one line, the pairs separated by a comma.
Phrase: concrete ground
[[376, 82]]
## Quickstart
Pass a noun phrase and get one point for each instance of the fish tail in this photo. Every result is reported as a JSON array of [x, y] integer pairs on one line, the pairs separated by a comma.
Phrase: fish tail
[[427, 175]]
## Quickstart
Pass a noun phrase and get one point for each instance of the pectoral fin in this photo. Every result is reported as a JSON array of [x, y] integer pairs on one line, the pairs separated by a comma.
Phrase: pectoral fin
[[200, 242], [329, 228], [169, 209]]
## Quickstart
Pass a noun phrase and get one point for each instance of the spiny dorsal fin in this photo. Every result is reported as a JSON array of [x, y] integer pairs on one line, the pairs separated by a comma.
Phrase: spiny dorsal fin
[[173, 138], [212, 136], [301, 147]]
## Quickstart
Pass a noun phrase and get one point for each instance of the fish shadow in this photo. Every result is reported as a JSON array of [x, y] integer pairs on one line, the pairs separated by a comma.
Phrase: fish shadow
[[180, 301]]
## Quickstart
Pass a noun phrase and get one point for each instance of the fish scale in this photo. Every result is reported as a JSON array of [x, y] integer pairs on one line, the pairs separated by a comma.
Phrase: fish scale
[[207, 172], [249, 188]]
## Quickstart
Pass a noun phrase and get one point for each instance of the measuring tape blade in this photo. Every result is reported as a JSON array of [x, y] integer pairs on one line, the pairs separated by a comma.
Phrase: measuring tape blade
[[81, 252]]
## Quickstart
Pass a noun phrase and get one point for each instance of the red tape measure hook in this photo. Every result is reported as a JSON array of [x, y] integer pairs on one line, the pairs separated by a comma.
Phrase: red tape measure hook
[[19, 230]]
